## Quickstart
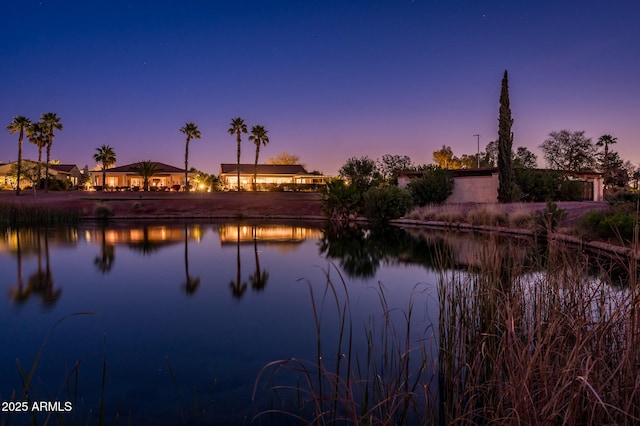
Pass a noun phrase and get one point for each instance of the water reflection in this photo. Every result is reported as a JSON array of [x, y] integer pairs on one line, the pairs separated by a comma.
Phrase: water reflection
[[104, 262], [191, 283], [41, 281], [260, 277]]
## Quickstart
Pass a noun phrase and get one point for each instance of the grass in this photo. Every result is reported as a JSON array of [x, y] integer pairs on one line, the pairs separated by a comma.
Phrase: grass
[[14, 215], [510, 347]]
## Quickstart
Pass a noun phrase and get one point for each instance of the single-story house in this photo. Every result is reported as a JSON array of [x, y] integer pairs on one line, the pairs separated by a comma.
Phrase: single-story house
[[481, 185], [62, 172], [267, 175], [125, 177]]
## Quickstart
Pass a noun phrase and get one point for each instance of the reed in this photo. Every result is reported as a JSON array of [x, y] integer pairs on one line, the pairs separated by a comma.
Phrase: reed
[[14, 215], [511, 346]]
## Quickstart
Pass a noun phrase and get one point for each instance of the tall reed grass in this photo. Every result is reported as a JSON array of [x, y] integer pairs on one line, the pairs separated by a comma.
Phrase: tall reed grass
[[14, 215], [511, 346]]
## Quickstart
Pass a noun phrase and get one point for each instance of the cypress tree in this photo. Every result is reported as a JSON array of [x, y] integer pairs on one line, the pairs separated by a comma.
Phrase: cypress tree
[[505, 141]]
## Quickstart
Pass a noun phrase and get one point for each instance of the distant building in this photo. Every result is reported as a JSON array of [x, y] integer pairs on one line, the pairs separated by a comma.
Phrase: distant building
[[126, 178], [69, 173], [481, 185], [267, 176]]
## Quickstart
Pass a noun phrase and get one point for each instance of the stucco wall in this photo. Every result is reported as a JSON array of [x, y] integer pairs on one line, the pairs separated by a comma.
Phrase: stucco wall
[[475, 189]]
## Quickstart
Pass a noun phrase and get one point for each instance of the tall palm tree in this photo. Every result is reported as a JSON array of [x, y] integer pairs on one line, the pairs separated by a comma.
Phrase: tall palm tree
[[19, 124], [146, 169], [605, 141], [259, 137], [107, 156], [52, 122], [192, 132], [37, 133], [237, 128]]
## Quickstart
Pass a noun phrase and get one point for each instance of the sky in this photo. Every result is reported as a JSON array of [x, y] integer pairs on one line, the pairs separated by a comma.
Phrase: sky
[[329, 79]]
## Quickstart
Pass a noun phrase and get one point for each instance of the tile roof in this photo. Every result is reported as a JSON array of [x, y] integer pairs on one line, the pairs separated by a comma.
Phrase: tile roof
[[264, 169], [160, 167]]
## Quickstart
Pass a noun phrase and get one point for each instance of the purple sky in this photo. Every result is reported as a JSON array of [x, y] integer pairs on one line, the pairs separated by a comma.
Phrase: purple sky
[[328, 79]]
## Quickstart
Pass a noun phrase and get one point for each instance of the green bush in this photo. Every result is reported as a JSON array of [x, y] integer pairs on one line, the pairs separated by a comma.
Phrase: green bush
[[340, 200], [433, 187], [385, 203], [546, 185]]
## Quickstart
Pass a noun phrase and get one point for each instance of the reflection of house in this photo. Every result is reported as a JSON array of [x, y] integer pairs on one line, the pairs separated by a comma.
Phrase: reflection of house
[[267, 175], [121, 177], [63, 172], [481, 185], [231, 234]]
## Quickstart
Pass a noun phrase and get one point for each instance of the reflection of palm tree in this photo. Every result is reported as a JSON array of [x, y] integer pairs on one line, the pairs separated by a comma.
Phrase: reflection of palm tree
[[104, 262], [147, 245], [44, 282], [258, 279], [19, 293], [191, 284], [238, 288]]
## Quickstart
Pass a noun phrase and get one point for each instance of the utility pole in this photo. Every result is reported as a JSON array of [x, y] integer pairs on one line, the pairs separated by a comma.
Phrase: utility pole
[[478, 156]]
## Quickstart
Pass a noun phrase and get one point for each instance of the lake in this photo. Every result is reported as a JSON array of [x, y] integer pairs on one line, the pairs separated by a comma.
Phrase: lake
[[172, 323]]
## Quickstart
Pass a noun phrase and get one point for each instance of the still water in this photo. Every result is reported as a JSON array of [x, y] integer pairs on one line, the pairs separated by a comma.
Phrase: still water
[[180, 318]]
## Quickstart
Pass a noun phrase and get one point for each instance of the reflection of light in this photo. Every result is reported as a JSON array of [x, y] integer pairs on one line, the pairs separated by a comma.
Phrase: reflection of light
[[87, 235], [272, 233], [201, 186]]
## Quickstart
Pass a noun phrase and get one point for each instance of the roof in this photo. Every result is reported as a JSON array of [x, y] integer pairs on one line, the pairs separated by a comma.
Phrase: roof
[[67, 168], [160, 168], [264, 169]]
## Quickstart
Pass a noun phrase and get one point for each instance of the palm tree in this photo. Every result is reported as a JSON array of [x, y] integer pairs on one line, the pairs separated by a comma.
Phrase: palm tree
[[192, 132], [52, 122], [37, 133], [146, 169], [259, 137], [237, 128], [107, 156], [19, 124], [606, 140]]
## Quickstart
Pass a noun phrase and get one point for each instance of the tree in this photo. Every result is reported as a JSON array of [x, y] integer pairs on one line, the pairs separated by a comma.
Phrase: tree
[[285, 158], [19, 124], [362, 173], [52, 122], [38, 136], [237, 127], [191, 132], [605, 141], [570, 151], [445, 159], [391, 165], [107, 157], [259, 137], [505, 142], [524, 159], [433, 187], [146, 169], [491, 154]]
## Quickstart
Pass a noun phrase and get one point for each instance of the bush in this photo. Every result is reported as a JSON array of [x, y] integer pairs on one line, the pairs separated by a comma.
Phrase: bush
[[433, 187], [341, 201], [546, 185], [386, 203]]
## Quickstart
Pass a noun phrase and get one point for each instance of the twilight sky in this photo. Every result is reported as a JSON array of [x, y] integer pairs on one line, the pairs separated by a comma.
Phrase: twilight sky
[[329, 79]]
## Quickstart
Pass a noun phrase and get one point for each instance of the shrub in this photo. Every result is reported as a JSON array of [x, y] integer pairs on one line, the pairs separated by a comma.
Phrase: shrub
[[385, 203], [488, 215], [546, 185], [433, 187], [549, 219], [341, 200], [102, 211], [521, 218]]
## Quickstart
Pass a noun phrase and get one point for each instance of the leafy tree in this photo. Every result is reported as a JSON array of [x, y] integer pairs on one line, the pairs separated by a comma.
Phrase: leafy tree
[[386, 203], [570, 151], [433, 187], [191, 131], [391, 165], [284, 158], [259, 137], [19, 124], [52, 122], [445, 159], [107, 157], [505, 142], [491, 154], [617, 173], [546, 185], [524, 159], [237, 127], [37, 133], [361, 173], [146, 169]]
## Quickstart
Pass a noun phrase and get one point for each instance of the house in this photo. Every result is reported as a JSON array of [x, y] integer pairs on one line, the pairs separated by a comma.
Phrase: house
[[481, 185], [268, 175], [68, 173], [126, 177]]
